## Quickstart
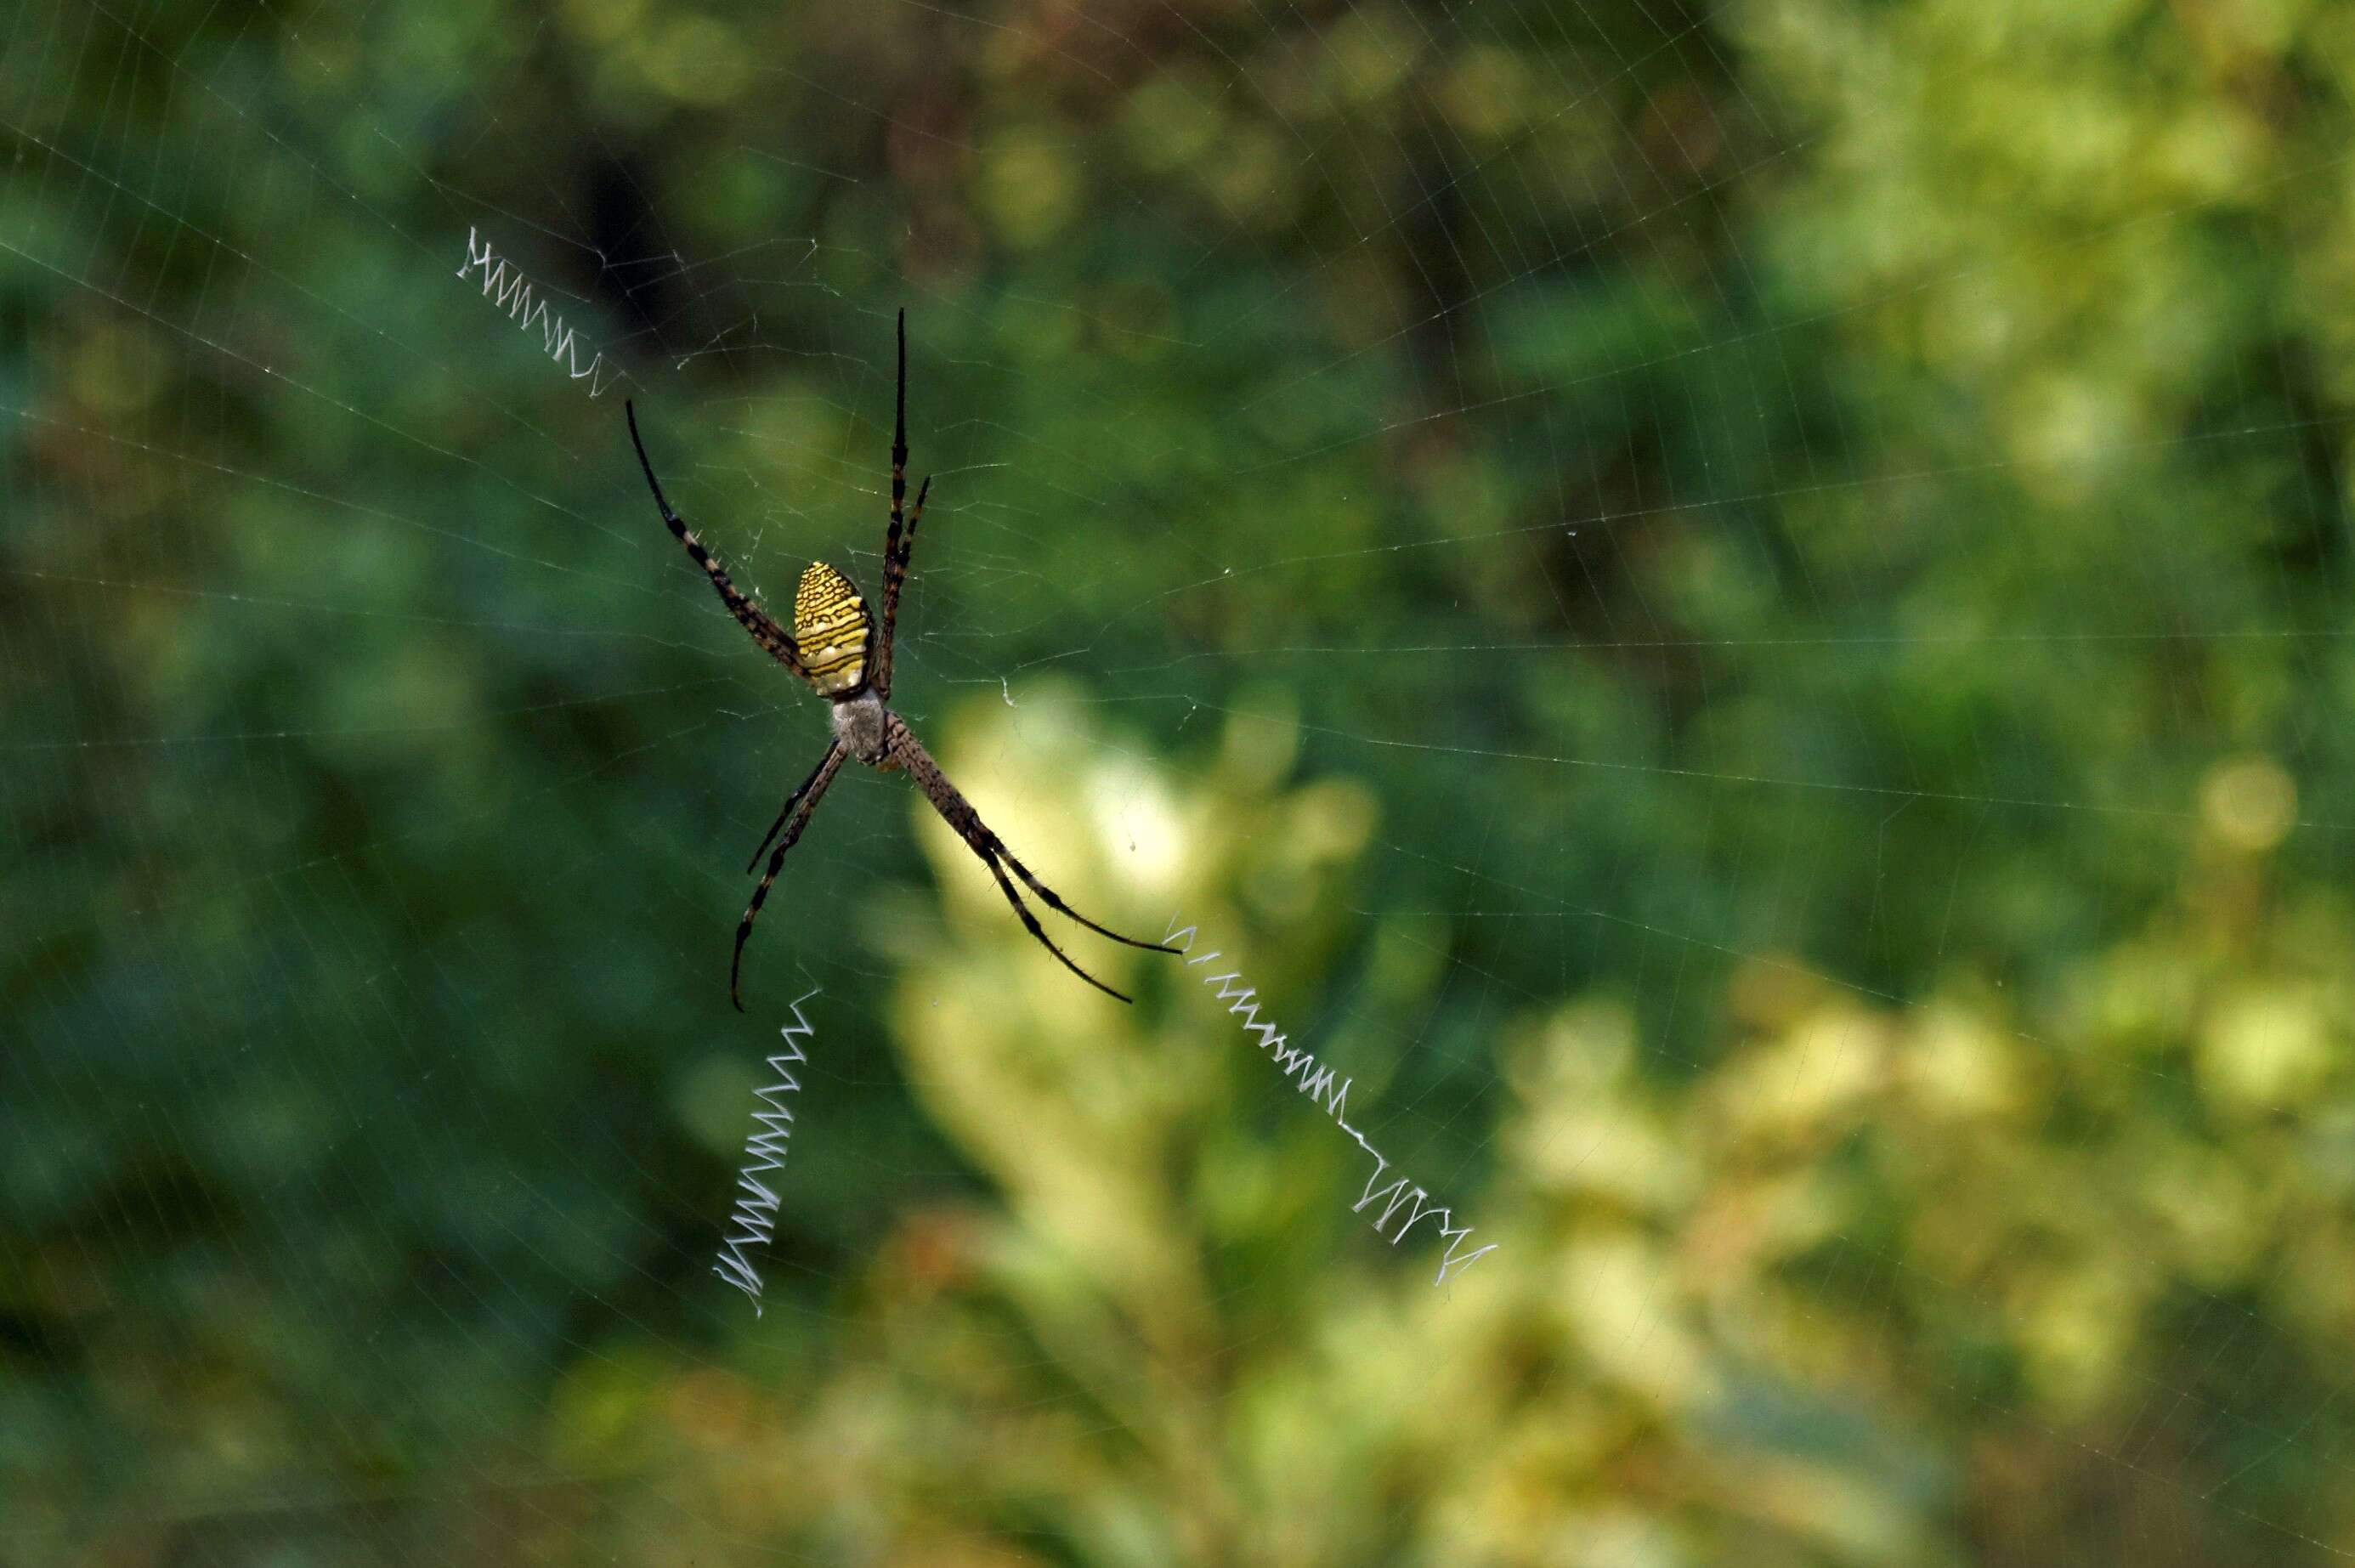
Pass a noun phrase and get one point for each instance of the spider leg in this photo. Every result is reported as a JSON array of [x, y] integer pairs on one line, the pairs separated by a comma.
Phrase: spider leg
[[898, 546], [810, 794], [772, 637], [792, 801], [1047, 895], [1030, 922], [959, 813]]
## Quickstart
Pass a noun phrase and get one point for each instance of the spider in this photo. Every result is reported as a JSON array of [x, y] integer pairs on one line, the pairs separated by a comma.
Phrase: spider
[[835, 646]]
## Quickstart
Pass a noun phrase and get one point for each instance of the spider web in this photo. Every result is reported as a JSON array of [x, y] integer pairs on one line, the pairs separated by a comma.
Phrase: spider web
[[1735, 613]]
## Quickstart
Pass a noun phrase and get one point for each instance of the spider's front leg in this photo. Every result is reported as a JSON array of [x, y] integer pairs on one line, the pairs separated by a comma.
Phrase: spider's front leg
[[800, 807], [959, 813]]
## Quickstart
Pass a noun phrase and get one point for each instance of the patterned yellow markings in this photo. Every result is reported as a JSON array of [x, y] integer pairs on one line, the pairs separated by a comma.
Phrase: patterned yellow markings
[[831, 626]]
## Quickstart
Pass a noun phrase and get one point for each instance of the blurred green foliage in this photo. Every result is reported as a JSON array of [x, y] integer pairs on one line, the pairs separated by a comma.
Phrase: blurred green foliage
[[1739, 611]]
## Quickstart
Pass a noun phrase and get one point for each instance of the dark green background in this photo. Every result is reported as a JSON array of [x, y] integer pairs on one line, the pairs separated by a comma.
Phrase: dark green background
[[1741, 613]]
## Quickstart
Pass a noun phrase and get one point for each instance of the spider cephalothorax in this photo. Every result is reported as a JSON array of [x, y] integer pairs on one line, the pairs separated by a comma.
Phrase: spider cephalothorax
[[846, 657]]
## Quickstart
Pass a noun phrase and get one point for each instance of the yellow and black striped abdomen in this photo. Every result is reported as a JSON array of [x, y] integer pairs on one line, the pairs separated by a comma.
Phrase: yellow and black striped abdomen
[[831, 629]]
